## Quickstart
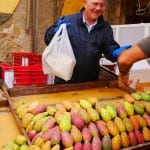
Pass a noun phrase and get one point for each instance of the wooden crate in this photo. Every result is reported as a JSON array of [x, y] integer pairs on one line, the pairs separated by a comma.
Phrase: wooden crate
[[103, 82]]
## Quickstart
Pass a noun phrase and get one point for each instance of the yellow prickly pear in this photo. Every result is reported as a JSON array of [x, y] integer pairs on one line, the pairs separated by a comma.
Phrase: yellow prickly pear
[[116, 142], [92, 100], [94, 115], [34, 147], [68, 105], [46, 146], [76, 134], [85, 104], [26, 119], [29, 126], [112, 111], [84, 115], [119, 123], [69, 148], [38, 116], [24, 147], [56, 147], [51, 110], [20, 106], [20, 139], [39, 142], [33, 105], [39, 123]]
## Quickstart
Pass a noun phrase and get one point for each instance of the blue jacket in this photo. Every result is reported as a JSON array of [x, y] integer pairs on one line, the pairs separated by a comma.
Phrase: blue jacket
[[88, 47]]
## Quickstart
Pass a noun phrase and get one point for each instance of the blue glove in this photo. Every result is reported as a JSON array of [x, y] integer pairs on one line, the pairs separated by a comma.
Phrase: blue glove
[[60, 22], [117, 51]]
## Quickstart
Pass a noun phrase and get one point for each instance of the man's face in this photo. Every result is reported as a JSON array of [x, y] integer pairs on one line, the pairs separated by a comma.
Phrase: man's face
[[94, 8]]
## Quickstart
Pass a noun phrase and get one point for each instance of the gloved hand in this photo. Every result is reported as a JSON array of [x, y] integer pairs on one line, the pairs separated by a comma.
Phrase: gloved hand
[[117, 51], [60, 22]]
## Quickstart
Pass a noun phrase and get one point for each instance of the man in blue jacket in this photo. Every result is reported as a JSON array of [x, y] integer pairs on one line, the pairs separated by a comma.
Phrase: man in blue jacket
[[90, 36]]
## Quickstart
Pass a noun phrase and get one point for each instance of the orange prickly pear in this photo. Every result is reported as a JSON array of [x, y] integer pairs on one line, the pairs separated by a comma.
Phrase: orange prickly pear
[[68, 105], [112, 128], [116, 142], [60, 107], [101, 125], [135, 122], [146, 133], [125, 140], [129, 98], [141, 120]]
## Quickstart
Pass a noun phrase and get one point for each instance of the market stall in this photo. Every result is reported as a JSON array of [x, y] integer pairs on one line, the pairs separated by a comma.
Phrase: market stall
[[103, 92]]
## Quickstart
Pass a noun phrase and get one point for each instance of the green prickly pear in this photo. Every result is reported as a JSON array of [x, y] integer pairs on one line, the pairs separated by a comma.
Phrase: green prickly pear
[[105, 114], [65, 123], [129, 108]]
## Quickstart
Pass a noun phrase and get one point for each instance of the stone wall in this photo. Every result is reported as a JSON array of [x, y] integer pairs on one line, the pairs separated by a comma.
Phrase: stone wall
[[13, 36]]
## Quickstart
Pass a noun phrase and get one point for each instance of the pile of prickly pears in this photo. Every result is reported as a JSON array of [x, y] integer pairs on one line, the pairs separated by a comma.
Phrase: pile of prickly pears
[[88, 124]]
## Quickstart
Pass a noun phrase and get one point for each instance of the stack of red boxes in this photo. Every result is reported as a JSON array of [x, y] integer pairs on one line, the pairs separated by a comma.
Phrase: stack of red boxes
[[26, 68]]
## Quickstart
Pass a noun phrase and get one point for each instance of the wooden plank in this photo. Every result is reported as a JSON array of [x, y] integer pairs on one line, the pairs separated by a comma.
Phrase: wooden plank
[[3, 103], [20, 91], [12, 109]]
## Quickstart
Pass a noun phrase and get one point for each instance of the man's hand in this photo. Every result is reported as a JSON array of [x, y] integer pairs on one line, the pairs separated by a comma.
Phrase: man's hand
[[117, 51], [123, 80], [61, 21]]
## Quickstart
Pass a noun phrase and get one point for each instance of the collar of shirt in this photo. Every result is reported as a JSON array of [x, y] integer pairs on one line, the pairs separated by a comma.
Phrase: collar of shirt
[[89, 27]]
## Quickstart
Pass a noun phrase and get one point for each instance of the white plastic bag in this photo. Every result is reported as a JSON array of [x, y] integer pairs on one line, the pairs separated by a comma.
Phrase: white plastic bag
[[58, 58]]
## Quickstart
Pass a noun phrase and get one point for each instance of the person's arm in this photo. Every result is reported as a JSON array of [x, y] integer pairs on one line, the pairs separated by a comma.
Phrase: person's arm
[[49, 34], [125, 61]]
